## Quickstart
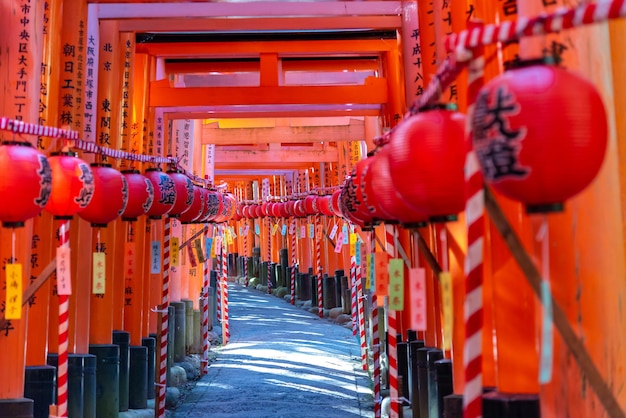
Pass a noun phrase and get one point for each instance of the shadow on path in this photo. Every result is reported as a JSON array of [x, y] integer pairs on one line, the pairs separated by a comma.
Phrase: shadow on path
[[281, 362]]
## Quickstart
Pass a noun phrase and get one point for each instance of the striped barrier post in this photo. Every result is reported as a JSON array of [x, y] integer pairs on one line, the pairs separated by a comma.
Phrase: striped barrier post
[[376, 348], [475, 218], [392, 330], [165, 302], [269, 256], [205, 310], [245, 256], [353, 294], [225, 324], [294, 261], [361, 306], [218, 268], [64, 304], [320, 278]]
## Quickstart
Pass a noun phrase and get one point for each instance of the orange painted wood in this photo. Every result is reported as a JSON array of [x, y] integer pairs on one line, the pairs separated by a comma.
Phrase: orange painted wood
[[253, 49], [105, 308], [372, 92]]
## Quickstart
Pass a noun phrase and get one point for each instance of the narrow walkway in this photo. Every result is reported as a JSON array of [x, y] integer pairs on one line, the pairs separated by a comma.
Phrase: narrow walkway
[[282, 361]]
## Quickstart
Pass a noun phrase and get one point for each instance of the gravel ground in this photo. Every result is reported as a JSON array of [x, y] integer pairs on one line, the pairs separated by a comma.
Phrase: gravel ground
[[281, 361]]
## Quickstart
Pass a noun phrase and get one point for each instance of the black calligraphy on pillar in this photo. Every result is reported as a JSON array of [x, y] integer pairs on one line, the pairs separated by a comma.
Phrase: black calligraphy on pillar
[[509, 7], [23, 49], [497, 144], [417, 62], [90, 85]]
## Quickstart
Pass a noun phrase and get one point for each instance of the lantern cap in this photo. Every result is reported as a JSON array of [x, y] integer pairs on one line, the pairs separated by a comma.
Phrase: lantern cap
[[529, 62], [64, 153], [106, 165], [544, 208], [19, 224], [131, 171], [443, 218], [131, 219], [18, 143], [63, 217], [414, 225], [439, 106], [153, 169], [97, 225]]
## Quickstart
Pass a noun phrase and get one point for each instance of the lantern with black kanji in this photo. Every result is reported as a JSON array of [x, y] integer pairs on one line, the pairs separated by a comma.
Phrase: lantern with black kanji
[[140, 195], [334, 203], [184, 193], [72, 185], [324, 205], [164, 193], [349, 204], [196, 208], [540, 134], [109, 198], [426, 155], [25, 183], [310, 205], [215, 205], [384, 199]]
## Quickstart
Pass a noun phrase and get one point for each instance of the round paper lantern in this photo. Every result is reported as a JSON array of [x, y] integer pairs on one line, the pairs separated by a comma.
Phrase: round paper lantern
[[310, 205], [334, 203], [362, 209], [72, 185], [348, 203], [540, 134], [215, 205], [110, 196], [164, 193], [323, 202], [245, 211], [259, 211], [206, 205], [290, 207], [184, 193], [140, 195], [196, 209], [384, 198], [426, 159], [228, 208], [282, 210], [298, 210], [25, 183]]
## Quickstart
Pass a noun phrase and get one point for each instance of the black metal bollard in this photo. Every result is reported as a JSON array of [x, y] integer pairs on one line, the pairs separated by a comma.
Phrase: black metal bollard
[[138, 378], [413, 372], [39, 385], [107, 379], [402, 352], [433, 394], [443, 370], [150, 344], [122, 339]]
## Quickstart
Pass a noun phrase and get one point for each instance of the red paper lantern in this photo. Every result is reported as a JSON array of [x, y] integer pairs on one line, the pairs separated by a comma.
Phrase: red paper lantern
[[245, 211], [109, 198], [384, 199], [227, 211], [194, 213], [140, 195], [362, 209], [348, 203], [426, 159], [72, 185], [25, 183], [184, 193], [310, 205], [298, 209], [164, 193], [540, 134], [282, 210], [323, 202], [290, 207], [334, 203], [215, 206]]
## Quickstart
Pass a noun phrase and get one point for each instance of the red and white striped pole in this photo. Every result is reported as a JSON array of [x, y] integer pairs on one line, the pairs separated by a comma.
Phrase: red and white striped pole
[[361, 306], [269, 256], [353, 311], [64, 305], [392, 330], [376, 348], [165, 303], [245, 254], [294, 261], [475, 218], [320, 278], [205, 310], [218, 255], [225, 325]]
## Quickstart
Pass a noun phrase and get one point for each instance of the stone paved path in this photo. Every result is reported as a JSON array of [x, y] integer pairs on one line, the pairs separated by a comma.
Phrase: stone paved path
[[282, 361]]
